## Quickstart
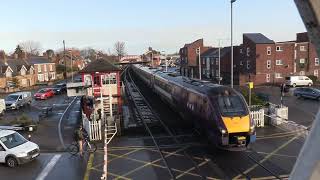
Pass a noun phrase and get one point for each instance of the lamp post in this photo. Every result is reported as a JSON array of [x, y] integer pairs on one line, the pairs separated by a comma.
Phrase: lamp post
[[198, 51], [232, 1]]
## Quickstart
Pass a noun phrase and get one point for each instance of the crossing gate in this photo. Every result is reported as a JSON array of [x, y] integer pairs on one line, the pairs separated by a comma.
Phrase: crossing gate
[[93, 128], [258, 117]]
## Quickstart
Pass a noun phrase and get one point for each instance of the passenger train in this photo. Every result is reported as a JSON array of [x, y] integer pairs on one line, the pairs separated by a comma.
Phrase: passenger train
[[219, 111]]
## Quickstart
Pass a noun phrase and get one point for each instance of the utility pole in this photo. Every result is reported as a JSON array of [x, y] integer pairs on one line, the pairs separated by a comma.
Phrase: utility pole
[[219, 78], [71, 66], [198, 51], [64, 60], [232, 1]]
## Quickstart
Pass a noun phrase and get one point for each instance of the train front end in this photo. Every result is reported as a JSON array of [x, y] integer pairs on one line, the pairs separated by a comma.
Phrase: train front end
[[237, 129]]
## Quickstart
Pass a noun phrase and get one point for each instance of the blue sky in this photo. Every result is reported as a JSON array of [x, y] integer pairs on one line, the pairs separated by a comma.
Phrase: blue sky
[[164, 24]]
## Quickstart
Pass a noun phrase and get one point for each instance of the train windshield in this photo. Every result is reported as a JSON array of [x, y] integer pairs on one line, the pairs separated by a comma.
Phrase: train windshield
[[232, 105]]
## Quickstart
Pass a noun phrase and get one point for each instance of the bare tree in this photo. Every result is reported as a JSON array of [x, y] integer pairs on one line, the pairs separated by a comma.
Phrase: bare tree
[[120, 49], [31, 47]]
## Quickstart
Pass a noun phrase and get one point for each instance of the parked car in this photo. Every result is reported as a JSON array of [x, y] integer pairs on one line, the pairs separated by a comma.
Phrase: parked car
[[298, 81], [44, 93], [15, 149], [17, 100], [307, 92], [59, 88]]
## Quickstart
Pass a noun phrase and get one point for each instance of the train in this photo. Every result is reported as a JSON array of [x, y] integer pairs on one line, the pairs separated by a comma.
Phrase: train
[[220, 112]]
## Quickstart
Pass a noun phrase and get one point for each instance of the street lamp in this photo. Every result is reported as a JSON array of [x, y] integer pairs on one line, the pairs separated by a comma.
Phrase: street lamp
[[232, 1], [198, 51]]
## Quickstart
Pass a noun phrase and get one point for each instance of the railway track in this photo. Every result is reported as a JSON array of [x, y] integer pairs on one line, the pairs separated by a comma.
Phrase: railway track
[[156, 128]]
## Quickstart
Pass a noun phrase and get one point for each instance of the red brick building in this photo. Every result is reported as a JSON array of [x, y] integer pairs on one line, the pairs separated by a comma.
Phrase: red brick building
[[189, 59], [264, 61]]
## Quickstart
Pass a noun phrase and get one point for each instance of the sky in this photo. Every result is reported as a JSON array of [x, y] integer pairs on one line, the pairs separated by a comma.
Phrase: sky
[[165, 25]]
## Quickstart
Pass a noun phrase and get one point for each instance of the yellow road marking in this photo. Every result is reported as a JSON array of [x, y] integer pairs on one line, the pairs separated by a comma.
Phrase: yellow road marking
[[267, 157], [118, 176], [191, 169], [89, 166], [123, 155], [156, 165], [165, 152], [283, 155], [150, 163]]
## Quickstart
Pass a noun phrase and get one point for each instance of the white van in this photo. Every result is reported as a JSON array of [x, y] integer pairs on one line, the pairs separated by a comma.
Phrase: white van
[[298, 81], [15, 149], [17, 100]]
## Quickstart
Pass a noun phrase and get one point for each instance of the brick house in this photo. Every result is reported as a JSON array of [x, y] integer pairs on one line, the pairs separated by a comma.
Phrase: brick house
[[15, 70], [189, 59], [44, 69], [152, 56], [264, 61]]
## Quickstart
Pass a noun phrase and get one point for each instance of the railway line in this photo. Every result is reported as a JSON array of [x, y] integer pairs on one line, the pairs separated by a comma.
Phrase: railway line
[[149, 119], [163, 138]]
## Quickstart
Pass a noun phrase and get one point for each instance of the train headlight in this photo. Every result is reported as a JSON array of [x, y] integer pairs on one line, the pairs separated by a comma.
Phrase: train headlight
[[223, 131]]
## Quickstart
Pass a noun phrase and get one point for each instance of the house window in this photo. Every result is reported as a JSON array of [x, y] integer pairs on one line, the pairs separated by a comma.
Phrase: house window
[[203, 61], [316, 61], [267, 77], [23, 71], [52, 75], [51, 67], [39, 68], [241, 63], [279, 62], [302, 48], [241, 51], [203, 71], [269, 64], [278, 48], [248, 51], [40, 77], [268, 50], [217, 62], [278, 75], [316, 72], [302, 61], [212, 61], [302, 73], [248, 64], [217, 73], [45, 68]]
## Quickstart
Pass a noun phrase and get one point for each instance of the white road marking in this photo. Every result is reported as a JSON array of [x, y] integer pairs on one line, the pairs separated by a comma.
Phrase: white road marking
[[44, 173], [60, 121]]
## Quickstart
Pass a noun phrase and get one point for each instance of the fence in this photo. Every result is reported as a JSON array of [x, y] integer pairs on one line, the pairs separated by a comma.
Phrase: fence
[[93, 128], [258, 117]]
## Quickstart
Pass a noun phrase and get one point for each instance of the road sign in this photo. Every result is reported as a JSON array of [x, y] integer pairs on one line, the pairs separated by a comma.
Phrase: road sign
[[250, 85]]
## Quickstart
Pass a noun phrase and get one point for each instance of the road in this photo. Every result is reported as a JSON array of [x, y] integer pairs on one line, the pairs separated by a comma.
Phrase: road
[[53, 162], [301, 111]]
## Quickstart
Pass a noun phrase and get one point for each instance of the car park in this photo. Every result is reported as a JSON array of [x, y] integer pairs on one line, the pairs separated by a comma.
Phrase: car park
[[59, 88], [17, 100], [306, 92], [298, 81], [15, 149], [44, 93]]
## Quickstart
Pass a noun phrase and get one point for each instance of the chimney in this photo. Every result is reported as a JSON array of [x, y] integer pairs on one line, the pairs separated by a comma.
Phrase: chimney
[[15, 56]]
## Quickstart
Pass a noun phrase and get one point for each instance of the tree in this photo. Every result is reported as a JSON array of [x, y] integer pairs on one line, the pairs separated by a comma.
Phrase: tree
[[50, 53], [18, 50], [120, 49], [31, 47]]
